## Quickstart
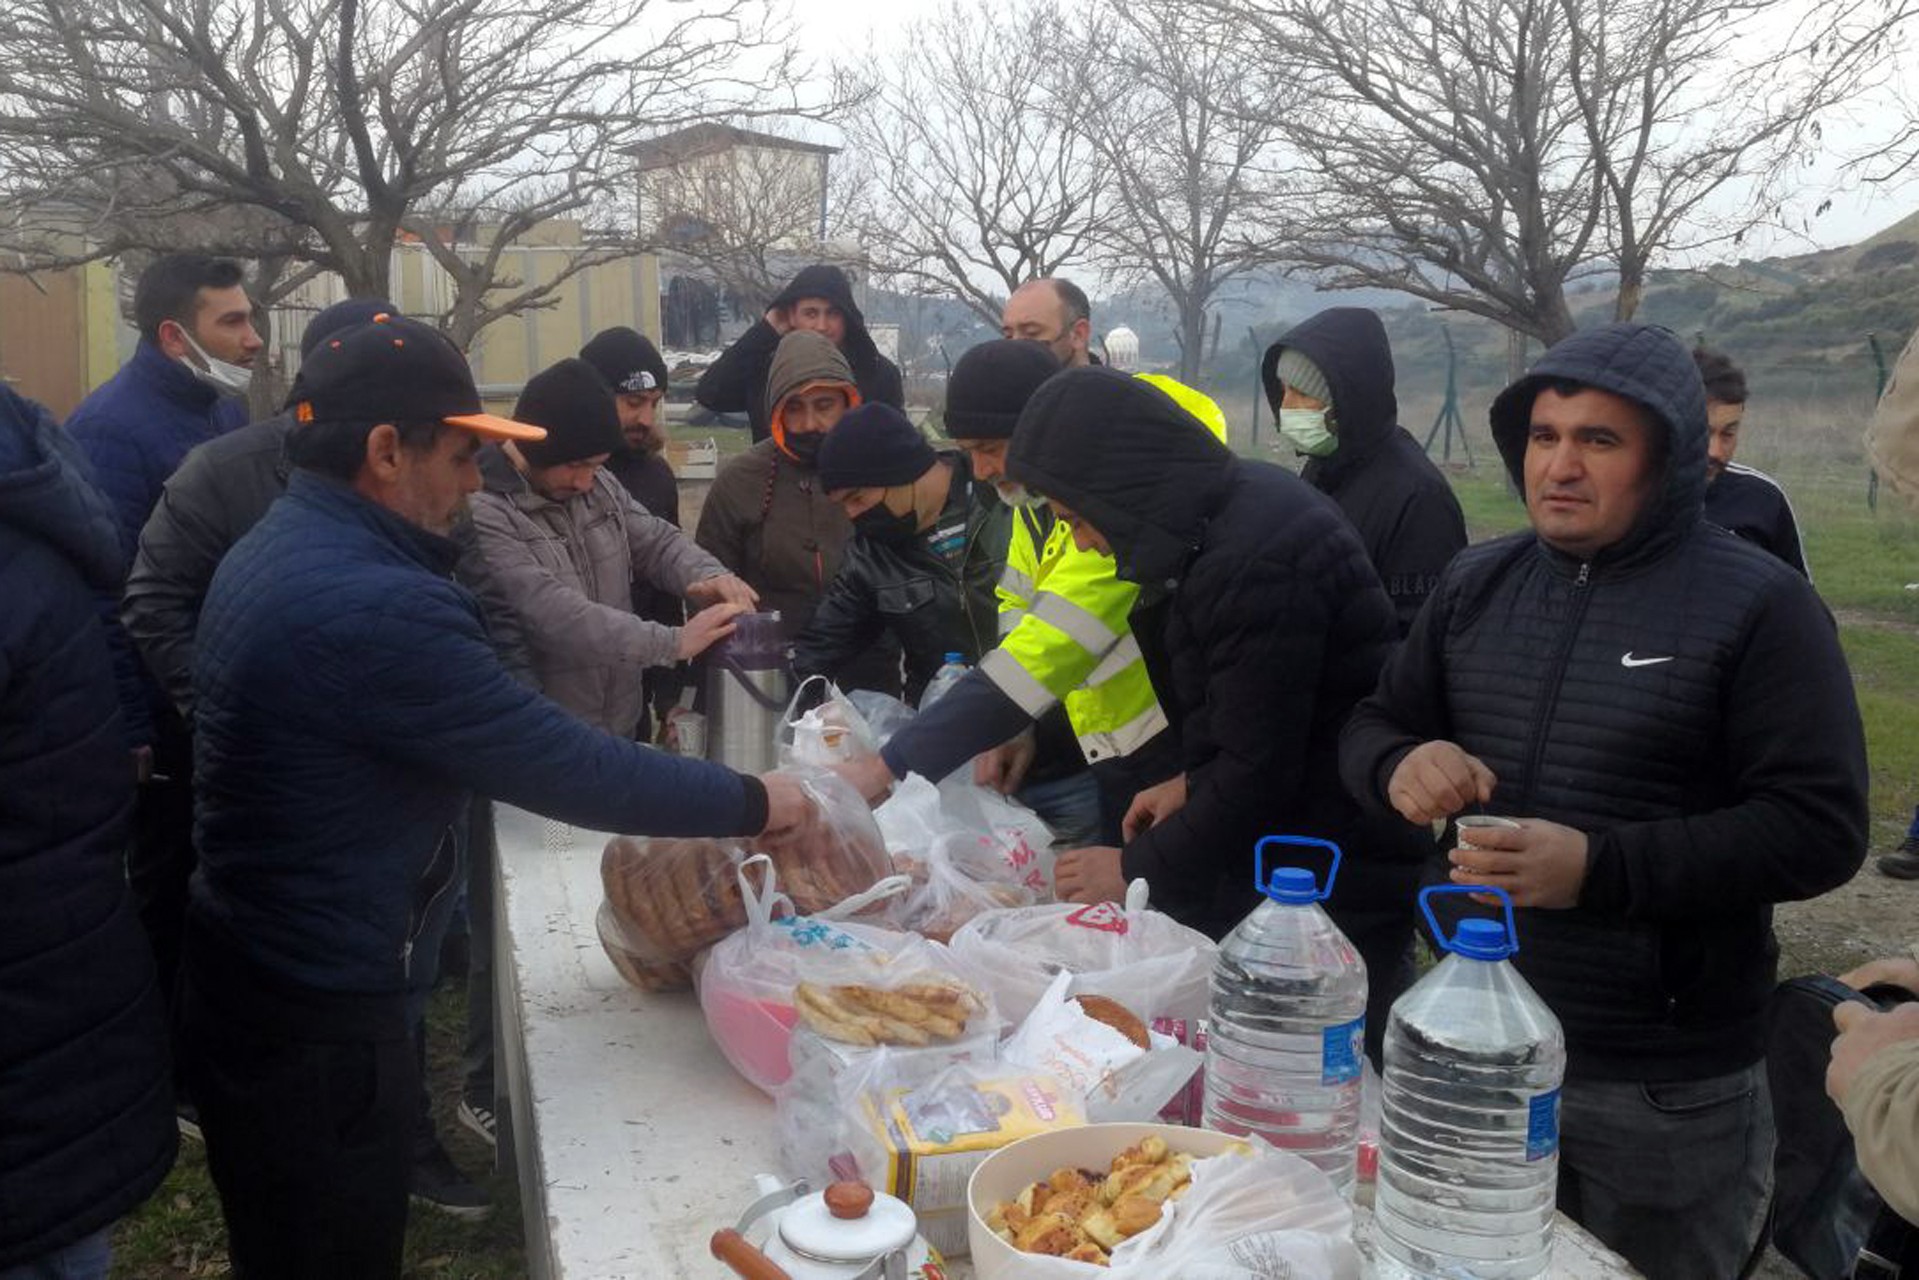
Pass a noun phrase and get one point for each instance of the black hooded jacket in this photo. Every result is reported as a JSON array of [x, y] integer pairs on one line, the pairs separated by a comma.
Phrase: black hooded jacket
[[736, 382], [1402, 506], [1680, 697], [1261, 621]]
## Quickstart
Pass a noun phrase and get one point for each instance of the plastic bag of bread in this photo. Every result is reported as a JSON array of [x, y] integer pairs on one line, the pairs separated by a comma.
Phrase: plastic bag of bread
[[830, 731], [668, 899], [748, 983], [1156, 966], [960, 876], [1104, 1050]]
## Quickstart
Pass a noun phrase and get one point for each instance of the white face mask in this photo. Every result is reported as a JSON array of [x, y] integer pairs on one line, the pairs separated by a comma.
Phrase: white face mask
[[227, 379], [1014, 494], [1308, 432]]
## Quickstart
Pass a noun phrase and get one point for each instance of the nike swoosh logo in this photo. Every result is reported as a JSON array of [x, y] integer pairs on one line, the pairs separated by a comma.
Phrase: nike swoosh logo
[[1627, 660]]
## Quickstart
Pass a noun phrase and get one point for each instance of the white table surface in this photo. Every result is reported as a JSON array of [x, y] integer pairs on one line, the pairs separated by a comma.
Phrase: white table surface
[[634, 1139]]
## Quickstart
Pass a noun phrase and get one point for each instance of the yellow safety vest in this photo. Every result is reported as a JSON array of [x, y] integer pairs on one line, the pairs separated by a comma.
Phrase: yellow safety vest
[[1064, 626]]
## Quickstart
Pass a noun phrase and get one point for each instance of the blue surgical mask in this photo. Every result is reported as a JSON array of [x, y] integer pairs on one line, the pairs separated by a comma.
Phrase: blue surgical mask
[[1308, 431]]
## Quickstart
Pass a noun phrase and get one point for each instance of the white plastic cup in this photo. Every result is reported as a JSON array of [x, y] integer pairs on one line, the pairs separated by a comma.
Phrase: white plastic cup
[[1467, 823]]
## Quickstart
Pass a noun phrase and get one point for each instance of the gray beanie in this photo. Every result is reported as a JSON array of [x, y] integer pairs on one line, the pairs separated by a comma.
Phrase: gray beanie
[[1302, 375]]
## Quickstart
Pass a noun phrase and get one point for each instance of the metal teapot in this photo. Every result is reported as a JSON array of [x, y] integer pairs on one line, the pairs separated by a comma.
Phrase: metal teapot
[[846, 1232]]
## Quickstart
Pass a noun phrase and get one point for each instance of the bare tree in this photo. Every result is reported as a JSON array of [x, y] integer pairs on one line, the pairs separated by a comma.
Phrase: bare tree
[[1481, 154], [977, 175], [744, 206], [325, 131], [1186, 116]]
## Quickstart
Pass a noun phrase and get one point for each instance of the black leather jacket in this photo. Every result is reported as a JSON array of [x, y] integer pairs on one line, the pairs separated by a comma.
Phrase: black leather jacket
[[914, 592]]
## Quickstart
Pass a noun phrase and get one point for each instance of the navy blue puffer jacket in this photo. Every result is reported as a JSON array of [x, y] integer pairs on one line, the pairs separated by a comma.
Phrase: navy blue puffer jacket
[[1681, 698], [347, 699], [86, 1104]]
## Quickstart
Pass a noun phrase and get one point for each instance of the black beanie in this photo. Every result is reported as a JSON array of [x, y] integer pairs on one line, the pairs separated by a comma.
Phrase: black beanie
[[873, 445], [990, 385], [627, 360], [576, 407]]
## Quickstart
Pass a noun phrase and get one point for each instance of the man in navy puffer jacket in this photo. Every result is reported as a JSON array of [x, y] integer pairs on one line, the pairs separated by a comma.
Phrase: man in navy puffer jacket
[[347, 700], [86, 1111], [1665, 709]]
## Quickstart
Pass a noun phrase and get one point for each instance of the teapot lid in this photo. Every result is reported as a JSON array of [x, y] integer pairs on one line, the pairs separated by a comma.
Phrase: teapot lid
[[848, 1222]]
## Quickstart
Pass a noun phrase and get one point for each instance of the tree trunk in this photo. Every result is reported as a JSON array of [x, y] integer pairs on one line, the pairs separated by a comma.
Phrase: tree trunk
[[1632, 291]]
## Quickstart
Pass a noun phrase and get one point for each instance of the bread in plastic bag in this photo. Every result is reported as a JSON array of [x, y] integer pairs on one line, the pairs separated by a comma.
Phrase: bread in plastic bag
[[830, 732], [969, 850], [1120, 1079], [668, 899], [1258, 1215], [1150, 962]]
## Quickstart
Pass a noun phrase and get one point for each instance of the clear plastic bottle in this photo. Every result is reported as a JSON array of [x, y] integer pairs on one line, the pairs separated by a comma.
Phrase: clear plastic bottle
[[1469, 1137], [951, 672], [1285, 1041]]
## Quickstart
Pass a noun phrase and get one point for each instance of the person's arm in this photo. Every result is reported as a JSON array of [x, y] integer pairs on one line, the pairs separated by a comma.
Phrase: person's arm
[[1794, 758], [1264, 632], [844, 626], [504, 628], [558, 618], [663, 556], [180, 547], [1407, 708], [722, 528], [122, 472], [1786, 538], [728, 383], [427, 691], [973, 716], [1875, 1079]]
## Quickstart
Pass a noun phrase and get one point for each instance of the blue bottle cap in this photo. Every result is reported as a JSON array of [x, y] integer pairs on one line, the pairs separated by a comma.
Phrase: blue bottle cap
[[955, 659], [1292, 885], [1479, 939]]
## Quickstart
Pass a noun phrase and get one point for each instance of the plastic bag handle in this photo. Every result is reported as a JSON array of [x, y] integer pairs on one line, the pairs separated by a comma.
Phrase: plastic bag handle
[[1305, 842], [887, 887], [762, 906], [1427, 894], [1137, 891], [787, 717]]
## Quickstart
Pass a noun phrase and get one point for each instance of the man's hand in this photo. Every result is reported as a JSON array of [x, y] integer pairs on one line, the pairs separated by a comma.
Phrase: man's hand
[[1091, 874], [869, 775], [787, 804], [1436, 780], [1540, 864], [1004, 767], [1862, 1033], [706, 628], [723, 588], [1894, 971], [1154, 805], [776, 316]]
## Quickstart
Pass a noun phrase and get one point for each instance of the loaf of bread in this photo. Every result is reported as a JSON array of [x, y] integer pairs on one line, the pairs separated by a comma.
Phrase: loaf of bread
[[672, 898]]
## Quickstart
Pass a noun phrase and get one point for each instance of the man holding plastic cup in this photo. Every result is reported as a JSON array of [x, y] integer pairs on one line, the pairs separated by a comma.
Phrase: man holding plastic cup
[[1666, 711]]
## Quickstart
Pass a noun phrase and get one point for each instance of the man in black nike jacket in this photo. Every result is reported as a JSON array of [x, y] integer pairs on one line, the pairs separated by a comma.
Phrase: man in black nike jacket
[[1666, 710]]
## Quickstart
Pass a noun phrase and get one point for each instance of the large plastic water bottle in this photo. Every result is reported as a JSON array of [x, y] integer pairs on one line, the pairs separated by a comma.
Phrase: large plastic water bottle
[[1469, 1137], [951, 672], [1286, 1033]]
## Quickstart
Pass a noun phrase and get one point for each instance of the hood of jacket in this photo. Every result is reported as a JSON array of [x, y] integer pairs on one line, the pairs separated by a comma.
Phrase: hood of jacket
[[1122, 454], [1349, 346], [47, 492], [823, 280], [804, 358], [1651, 367]]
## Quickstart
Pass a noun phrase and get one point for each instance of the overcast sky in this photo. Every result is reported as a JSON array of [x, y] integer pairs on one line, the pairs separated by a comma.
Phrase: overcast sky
[[835, 28]]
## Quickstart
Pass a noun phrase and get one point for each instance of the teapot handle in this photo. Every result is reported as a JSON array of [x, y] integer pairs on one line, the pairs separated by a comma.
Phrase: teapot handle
[[747, 1262]]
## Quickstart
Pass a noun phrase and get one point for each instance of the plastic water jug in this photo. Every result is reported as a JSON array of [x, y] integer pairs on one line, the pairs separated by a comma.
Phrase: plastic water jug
[[1469, 1135], [1285, 1044], [951, 672]]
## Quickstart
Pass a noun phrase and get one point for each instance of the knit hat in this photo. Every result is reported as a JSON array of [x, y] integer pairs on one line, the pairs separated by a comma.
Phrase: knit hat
[[992, 383], [874, 445], [1302, 375], [627, 360], [804, 359], [576, 407]]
